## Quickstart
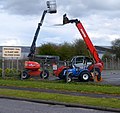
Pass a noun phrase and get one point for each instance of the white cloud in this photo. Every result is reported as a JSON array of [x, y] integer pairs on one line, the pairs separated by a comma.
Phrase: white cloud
[[23, 7], [19, 19]]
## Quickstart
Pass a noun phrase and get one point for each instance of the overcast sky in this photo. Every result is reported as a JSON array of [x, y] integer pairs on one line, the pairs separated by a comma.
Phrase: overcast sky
[[19, 20]]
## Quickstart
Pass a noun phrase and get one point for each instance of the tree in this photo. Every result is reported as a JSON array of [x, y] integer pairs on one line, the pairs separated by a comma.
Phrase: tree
[[66, 51], [48, 49], [107, 56], [116, 47], [80, 47]]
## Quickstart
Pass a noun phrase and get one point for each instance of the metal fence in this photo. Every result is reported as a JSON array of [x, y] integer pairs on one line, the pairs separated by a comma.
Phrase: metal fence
[[18, 64], [113, 64], [12, 63]]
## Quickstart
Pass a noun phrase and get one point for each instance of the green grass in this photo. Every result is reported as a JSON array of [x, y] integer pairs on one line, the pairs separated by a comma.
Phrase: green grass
[[101, 102], [58, 85]]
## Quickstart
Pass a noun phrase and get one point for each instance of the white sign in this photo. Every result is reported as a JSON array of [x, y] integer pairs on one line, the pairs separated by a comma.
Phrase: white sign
[[11, 52]]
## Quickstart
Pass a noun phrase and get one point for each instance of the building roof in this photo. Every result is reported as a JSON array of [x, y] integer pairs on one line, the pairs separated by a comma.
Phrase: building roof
[[104, 48]]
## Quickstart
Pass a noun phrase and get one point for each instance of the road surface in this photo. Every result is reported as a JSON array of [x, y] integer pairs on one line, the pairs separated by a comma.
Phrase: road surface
[[111, 77], [15, 106]]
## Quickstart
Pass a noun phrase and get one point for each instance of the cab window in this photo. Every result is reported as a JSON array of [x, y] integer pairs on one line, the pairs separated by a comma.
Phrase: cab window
[[79, 60]]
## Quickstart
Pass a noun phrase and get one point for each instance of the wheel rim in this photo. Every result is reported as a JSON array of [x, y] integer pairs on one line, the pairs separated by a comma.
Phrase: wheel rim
[[24, 75], [69, 79], [44, 75], [85, 77]]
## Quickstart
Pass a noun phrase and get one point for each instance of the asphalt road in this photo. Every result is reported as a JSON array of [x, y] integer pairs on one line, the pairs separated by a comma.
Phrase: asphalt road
[[111, 77], [15, 106]]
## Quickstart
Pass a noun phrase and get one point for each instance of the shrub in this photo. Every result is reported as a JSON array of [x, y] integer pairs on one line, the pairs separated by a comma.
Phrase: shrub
[[11, 72]]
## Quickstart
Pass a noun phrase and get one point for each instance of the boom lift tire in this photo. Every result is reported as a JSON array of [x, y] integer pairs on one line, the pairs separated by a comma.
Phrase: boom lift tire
[[25, 75], [84, 76], [68, 78], [61, 74], [44, 74]]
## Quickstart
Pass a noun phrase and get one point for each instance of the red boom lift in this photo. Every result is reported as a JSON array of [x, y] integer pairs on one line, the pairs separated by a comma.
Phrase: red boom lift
[[97, 67], [32, 68]]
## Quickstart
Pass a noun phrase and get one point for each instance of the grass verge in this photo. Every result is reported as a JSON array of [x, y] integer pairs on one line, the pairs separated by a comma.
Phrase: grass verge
[[58, 85], [101, 102]]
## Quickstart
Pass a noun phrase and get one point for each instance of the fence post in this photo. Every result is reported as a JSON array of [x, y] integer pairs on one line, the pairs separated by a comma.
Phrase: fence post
[[106, 63], [118, 63], [3, 68], [65, 64], [17, 64], [12, 63]]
